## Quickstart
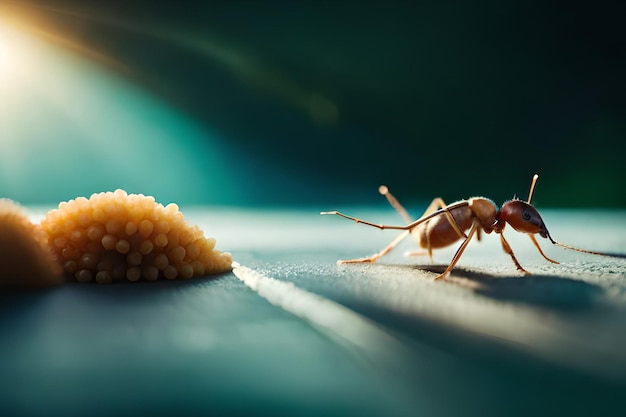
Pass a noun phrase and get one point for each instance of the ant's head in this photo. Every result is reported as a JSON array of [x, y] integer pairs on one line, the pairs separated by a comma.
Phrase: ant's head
[[522, 217]]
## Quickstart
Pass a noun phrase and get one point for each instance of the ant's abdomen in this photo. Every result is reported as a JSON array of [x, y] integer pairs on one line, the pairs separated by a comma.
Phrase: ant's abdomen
[[439, 231]]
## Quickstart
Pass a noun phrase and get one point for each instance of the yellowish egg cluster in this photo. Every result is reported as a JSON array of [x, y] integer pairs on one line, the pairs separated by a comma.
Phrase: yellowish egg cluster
[[25, 258], [115, 236]]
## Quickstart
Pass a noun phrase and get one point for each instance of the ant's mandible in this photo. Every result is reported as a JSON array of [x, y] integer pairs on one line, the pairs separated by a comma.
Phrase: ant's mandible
[[442, 225]]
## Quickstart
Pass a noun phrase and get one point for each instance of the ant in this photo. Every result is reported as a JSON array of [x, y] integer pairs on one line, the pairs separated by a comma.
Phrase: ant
[[442, 225]]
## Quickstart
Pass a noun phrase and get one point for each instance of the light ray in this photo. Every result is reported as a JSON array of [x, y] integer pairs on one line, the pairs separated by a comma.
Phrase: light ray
[[70, 126], [247, 68]]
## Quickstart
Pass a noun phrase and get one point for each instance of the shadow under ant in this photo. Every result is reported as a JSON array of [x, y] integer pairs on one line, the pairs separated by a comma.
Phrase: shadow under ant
[[546, 291]]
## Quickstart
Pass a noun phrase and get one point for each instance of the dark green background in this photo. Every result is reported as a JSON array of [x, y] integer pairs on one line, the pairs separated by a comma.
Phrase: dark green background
[[319, 102]]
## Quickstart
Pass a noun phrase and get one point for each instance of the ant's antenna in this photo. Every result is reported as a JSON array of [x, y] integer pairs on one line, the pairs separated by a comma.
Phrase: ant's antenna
[[532, 187], [566, 246]]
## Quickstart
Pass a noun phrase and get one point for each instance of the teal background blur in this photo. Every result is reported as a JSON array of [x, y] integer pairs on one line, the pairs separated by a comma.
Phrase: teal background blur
[[313, 103]]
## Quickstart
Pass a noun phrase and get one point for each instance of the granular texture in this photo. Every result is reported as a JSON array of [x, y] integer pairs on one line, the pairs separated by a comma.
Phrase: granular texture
[[25, 259], [115, 236]]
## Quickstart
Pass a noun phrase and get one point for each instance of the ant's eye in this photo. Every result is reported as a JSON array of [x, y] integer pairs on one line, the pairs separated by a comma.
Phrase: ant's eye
[[526, 215]]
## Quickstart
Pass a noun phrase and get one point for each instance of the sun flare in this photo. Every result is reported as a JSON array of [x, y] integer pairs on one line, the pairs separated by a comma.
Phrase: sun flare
[[7, 52], [16, 52]]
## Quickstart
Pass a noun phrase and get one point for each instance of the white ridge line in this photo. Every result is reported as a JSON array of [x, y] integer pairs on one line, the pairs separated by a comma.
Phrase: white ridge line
[[332, 317]]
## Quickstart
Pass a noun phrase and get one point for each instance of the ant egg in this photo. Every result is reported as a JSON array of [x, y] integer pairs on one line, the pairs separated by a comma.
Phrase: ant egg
[[26, 260], [117, 236]]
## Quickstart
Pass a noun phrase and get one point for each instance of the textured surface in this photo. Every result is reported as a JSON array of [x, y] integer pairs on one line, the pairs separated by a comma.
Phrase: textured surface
[[322, 339]]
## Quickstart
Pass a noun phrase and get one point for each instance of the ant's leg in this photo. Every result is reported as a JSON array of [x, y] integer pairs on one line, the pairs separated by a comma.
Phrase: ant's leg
[[459, 252], [410, 226], [435, 205], [507, 248], [395, 204], [532, 237], [439, 205], [406, 228], [377, 255]]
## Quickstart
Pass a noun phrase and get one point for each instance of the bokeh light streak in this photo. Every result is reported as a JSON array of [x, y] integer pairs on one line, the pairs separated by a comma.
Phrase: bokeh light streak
[[69, 126], [240, 63]]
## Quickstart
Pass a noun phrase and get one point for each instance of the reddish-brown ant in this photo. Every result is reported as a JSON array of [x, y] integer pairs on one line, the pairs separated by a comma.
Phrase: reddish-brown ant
[[442, 225]]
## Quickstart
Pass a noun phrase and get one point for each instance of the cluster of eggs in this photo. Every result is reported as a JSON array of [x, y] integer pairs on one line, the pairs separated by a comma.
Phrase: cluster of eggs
[[115, 236]]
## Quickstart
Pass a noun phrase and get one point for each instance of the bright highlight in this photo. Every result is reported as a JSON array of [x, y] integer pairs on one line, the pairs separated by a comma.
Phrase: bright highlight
[[14, 55], [69, 125]]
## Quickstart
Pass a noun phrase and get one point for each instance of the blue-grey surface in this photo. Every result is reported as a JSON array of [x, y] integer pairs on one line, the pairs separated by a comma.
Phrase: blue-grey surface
[[484, 342]]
